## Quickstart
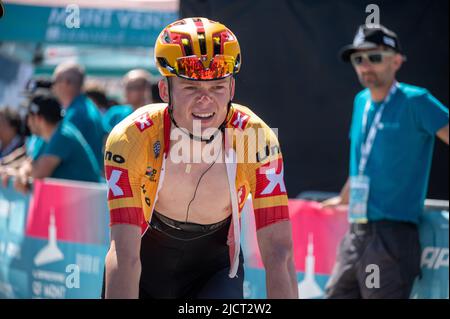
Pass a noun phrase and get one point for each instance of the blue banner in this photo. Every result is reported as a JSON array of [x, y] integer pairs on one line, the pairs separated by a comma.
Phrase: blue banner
[[53, 246], [75, 25], [316, 235], [13, 213]]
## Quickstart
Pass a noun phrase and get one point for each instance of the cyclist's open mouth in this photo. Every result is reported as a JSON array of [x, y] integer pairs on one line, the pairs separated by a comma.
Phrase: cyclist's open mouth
[[203, 116]]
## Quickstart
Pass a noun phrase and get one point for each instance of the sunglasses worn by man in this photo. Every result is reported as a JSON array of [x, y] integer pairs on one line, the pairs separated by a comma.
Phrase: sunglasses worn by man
[[374, 57]]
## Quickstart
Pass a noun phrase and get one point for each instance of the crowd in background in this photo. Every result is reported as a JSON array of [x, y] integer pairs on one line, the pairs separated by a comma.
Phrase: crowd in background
[[61, 129]]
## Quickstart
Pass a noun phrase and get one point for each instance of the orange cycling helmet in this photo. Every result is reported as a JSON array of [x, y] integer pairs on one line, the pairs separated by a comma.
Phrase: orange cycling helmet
[[197, 49]]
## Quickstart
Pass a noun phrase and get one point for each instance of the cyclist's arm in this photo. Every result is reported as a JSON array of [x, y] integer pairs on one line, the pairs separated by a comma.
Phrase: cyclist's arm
[[123, 264], [275, 245], [125, 164], [274, 231]]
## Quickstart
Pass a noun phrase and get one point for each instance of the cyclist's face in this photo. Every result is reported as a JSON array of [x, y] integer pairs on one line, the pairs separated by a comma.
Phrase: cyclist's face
[[202, 101]]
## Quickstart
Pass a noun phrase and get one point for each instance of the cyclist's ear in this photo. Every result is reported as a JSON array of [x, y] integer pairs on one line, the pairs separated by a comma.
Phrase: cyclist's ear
[[163, 88]]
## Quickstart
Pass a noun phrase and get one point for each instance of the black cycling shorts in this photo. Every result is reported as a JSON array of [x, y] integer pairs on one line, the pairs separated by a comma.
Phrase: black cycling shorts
[[188, 261]]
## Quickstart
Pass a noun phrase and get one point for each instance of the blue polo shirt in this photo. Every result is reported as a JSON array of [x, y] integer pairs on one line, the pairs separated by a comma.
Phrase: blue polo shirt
[[86, 117], [78, 162], [35, 146], [114, 115], [400, 162]]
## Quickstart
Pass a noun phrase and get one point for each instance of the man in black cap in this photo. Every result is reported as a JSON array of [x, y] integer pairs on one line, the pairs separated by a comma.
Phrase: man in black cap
[[392, 137]]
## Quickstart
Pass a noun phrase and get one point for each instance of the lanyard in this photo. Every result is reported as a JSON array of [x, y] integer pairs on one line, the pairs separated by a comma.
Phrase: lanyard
[[366, 147]]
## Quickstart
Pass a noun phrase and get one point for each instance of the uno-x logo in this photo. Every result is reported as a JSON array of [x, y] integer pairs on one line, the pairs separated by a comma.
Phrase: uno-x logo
[[240, 120], [114, 157], [143, 122], [118, 182], [269, 179]]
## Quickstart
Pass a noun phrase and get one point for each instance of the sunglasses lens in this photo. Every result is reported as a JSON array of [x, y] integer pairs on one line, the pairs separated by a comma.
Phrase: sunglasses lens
[[375, 58], [189, 67], [192, 68], [358, 60], [221, 66]]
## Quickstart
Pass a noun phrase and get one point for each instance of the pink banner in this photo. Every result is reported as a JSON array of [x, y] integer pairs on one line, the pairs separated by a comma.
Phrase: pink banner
[[77, 209], [315, 228]]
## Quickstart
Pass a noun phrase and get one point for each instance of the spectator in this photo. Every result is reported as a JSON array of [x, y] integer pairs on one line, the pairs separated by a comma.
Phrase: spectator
[[138, 92], [392, 135], [12, 149], [97, 94], [11, 136], [34, 144], [68, 79], [67, 155]]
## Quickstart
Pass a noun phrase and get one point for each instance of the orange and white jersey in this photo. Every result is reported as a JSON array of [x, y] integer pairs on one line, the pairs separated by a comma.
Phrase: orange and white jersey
[[137, 149]]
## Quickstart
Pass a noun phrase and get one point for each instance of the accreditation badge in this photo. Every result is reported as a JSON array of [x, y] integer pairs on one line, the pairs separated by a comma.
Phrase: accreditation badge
[[358, 198]]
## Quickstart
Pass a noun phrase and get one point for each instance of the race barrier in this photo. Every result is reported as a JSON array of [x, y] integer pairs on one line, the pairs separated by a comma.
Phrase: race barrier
[[317, 233], [53, 243]]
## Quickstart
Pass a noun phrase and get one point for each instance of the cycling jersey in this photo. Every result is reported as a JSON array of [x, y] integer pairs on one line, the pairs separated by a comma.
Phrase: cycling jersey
[[136, 153]]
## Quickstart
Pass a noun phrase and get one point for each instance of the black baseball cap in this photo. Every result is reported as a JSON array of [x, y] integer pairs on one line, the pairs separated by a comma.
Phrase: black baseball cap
[[371, 37], [44, 103]]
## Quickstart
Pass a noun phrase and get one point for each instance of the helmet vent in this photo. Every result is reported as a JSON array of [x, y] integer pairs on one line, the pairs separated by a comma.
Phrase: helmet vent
[[187, 47], [216, 45], [202, 43]]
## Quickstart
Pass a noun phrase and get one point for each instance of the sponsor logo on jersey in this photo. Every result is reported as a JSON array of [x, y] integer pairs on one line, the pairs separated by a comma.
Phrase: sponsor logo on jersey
[[239, 120], [157, 148], [269, 179], [267, 151], [241, 194], [109, 156], [146, 198], [151, 173], [118, 182], [143, 122]]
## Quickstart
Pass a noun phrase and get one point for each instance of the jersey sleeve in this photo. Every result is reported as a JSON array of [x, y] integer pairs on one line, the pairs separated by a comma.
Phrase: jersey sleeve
[[125, 163], [269, 195]]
